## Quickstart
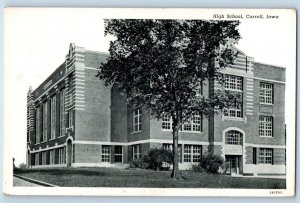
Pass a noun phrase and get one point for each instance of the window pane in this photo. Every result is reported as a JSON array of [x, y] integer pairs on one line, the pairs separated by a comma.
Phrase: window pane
[[266, 93], [265, 156], [265, 126], [233, 138], [105, 154], [233, 82]]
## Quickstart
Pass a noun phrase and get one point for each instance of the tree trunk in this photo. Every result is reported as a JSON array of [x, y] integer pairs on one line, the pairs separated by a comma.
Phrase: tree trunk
[[175, 153]]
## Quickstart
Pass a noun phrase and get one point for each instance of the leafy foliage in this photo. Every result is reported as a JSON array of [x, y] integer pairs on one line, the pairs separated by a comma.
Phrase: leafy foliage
[[137, 163], [212, 163], [163, 64], [157, 156]]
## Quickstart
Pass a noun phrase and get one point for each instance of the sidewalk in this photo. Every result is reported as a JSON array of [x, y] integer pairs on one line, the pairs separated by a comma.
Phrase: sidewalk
[[18, 182]]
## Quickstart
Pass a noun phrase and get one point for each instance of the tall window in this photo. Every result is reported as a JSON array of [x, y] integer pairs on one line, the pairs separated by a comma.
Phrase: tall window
[[52, 157], [53, 117], [71, 117], [38, 125], [118, 154], [265, 156], [136, 153], [166, 122], [37, 159], [234, 112], [62, 112], [45, 123], [254, 155], [233, 137], [194, 125], [105, 153], [192, 153], [44, 158], [266, 126], [137, 120], [266, 93], [233, 82], [62, 155]]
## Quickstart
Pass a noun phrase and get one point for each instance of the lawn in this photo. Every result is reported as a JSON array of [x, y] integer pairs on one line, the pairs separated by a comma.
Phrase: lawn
[[112, 177]]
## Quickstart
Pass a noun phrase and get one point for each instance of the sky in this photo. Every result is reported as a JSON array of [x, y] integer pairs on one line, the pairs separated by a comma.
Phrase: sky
[[37, 41]]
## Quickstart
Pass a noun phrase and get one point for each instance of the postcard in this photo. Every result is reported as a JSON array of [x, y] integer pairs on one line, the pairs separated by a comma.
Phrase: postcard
[[149, 102]]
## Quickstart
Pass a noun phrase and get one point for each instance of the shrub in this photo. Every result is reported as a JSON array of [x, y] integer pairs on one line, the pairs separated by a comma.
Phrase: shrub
[[22, 166], [159, 158], [212, 163], [197, 168], [136, 163]]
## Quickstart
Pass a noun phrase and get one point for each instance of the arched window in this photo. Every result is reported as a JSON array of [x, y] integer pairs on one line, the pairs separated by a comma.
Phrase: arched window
[[233, 137]]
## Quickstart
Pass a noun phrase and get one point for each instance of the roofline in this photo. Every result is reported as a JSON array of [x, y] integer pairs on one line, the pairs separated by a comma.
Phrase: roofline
[[47, 77], [98, 52], [269, 64]]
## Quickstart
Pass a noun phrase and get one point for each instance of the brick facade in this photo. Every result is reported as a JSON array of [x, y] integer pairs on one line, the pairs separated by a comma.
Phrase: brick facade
[[95, 126]]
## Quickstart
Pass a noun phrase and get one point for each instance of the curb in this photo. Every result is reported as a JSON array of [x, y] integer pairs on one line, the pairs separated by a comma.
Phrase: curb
[[36, 181]]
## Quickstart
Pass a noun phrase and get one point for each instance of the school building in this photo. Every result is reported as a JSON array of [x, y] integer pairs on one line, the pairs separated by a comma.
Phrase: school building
[[74, 120]]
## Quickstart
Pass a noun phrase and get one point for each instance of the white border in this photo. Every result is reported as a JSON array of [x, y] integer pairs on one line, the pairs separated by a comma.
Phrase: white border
[[154, 13]]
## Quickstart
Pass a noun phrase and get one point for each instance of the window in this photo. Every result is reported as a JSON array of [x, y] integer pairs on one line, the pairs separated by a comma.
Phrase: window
[[71, 117], [62, 112], [118, 154], [52, 157], [233, 137], [266, 93], [265, 156], [192, 153], [266, 126], [62, 155], [233, 82], [170, 147], [195, 125], [53, 117], [166, 122], [137, 120], [36, 159], [38, 125], [136, 153], [44, 158], [45, 123], [234, 112], [254, 155], [105, 153], [196, 154]]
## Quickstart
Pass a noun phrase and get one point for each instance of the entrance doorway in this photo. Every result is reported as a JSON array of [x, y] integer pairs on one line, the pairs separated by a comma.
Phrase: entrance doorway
[[233, 164]]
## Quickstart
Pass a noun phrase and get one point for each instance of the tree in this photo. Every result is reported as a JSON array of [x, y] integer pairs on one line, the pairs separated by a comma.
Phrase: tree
[[161, 65]]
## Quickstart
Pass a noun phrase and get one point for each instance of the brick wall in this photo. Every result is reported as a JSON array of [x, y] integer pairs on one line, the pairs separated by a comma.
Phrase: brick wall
[[119, 125], [93, 123], [87, 153]]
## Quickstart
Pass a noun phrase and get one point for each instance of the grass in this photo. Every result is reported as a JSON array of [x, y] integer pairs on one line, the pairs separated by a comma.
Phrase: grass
[[112, 177]]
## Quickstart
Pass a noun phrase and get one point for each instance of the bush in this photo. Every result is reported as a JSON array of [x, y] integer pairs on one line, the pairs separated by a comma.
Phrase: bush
[[197, 168], [22, 166], [137, 163], [212, 163], [159, 158]]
